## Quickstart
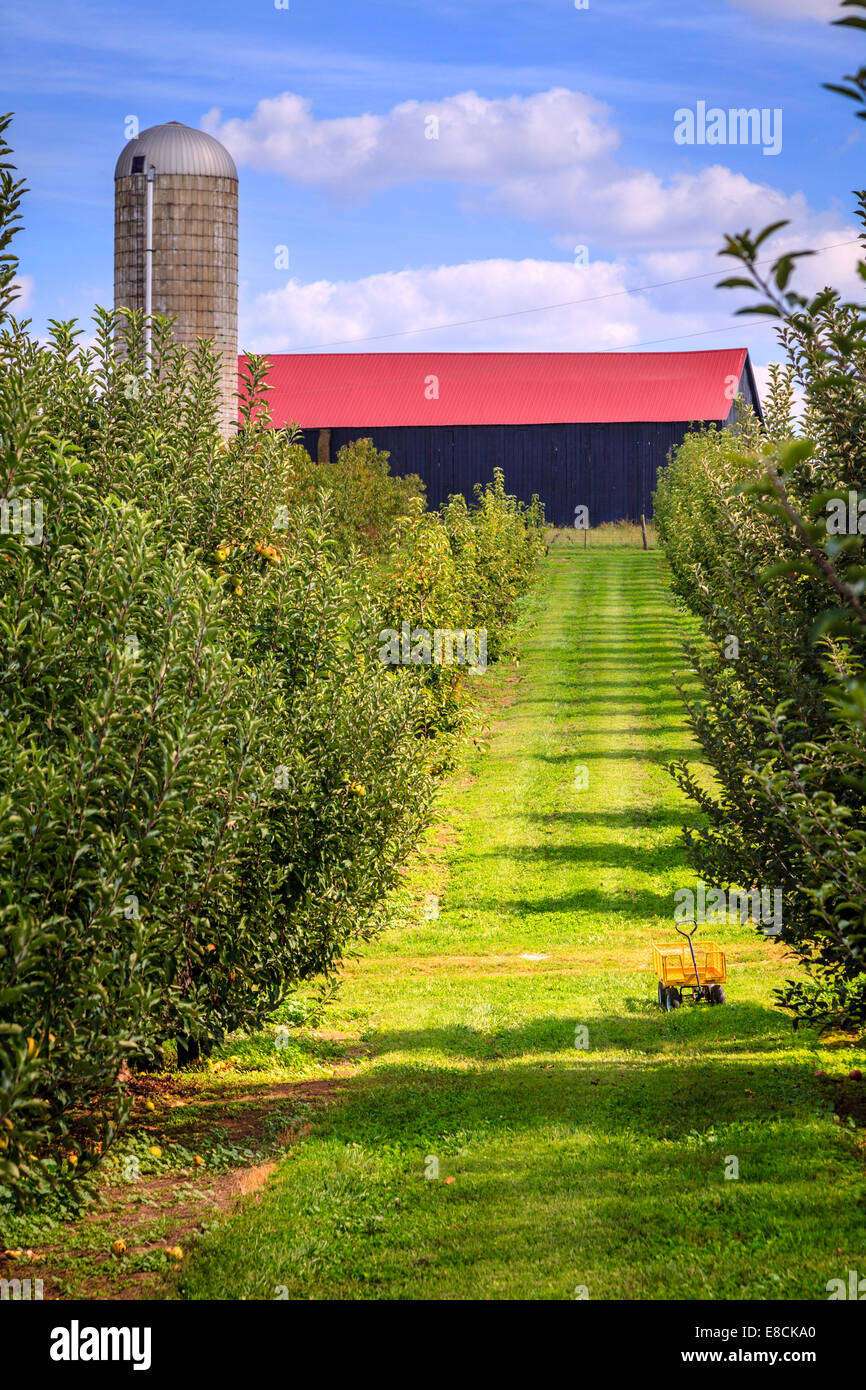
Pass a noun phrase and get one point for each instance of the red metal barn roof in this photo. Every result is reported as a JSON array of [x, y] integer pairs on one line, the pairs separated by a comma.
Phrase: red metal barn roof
[[364, 390]]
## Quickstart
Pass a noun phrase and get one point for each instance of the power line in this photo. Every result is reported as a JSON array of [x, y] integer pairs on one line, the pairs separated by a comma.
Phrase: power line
[[544, 308], [703, 333]]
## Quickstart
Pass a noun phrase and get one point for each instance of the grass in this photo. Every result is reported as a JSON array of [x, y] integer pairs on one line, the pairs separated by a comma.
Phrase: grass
[[473, 1150]]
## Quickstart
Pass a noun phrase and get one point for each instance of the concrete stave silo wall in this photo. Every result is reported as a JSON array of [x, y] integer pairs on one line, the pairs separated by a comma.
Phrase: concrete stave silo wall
[[195, 262]]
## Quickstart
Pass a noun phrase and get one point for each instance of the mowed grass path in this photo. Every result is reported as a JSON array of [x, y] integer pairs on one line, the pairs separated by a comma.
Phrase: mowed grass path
[[562, 1168]]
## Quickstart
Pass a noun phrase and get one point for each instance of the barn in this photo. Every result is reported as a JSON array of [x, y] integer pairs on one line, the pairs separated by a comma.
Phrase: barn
[[578, 428]]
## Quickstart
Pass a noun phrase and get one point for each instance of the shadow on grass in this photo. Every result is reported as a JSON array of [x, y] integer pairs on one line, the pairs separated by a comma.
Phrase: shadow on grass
[[640, 902], [619, 855], [675, 816], [728, 1032], [611, 755], [660, 1098]]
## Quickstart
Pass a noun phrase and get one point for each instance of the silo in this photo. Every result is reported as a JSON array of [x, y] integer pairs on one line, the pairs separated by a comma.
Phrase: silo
[[181, 184]]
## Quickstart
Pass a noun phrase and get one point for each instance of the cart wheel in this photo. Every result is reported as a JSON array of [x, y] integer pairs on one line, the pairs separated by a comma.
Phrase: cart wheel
[[662, 996], [717, 994], [673, 999]]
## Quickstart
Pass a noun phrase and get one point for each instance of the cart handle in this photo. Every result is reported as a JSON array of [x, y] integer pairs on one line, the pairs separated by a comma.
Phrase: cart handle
[[688, 935]]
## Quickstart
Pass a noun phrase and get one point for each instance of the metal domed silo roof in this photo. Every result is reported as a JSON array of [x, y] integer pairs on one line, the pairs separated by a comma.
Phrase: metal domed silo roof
[[176, 149]]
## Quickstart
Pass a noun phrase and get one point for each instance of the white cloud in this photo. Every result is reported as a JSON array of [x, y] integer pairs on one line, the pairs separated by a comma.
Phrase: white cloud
[[401, 302], [22, 285], [684, 220], [548, 158], [641, 209], [532, 305], [821, 10], [465, 138]]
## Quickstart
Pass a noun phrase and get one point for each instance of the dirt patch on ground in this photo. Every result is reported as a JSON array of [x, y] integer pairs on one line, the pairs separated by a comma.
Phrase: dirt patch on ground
[[250, 1180], [294, 1090], [155, 1220], [445, 836], [463, 782], [122, 1229]]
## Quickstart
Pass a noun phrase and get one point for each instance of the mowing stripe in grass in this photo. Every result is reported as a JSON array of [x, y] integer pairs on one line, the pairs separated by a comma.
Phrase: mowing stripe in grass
[[602, 1167]]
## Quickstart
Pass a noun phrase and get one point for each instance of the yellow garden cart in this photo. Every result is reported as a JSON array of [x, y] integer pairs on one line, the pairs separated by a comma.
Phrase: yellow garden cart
[[704, 974]]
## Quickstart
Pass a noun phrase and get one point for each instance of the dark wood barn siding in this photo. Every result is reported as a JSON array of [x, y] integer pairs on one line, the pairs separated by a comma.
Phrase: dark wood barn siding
[[749, 392], [611, 469]]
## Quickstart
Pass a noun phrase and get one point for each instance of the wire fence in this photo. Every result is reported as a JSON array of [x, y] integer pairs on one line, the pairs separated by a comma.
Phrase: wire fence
[[611, 535]]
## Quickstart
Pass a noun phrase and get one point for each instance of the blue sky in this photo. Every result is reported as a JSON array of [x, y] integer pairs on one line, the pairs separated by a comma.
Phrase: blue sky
[[555, 131]]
